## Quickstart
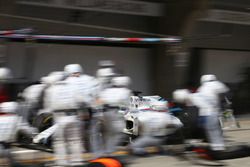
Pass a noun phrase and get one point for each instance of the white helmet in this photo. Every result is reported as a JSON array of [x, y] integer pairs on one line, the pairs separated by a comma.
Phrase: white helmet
[[53, 77], [181, 95], [5, 73], [121, 81], [106, 63], [9, 107], [208, 78], [73, 68], [106, 72], [159, 105]]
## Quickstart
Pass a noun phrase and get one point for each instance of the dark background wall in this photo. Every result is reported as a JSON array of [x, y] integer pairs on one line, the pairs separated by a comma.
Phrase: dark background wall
[[160, 69]]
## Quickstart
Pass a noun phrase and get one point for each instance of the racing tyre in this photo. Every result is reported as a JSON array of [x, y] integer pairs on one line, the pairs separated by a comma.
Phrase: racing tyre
[[43, 121], [191, 129]]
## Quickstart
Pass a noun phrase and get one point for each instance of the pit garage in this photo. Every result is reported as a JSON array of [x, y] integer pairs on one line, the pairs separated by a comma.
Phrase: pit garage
[[162, 45]]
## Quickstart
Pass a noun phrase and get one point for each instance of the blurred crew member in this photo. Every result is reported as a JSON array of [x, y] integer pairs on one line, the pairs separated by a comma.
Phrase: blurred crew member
[[112, 100], [212, 90], [208, 116], [88, 89], [10, 125], [67, 99], [33, 96], [105, 73], [87, 85], [154, 126]]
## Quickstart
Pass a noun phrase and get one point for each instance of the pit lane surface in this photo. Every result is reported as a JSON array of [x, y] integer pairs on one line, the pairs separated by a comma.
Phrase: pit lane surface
[[233, 137]]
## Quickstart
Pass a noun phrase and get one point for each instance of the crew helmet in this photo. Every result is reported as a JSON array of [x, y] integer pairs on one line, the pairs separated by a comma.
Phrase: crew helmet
[[121, 81], [73, 68], [53, 77], [106, 63], [5, 73], [208, 78], [181, 95], [106, 72]]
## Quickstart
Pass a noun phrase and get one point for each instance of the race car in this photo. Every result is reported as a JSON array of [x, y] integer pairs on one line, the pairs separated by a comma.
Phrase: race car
[[140, 108], [187, 115], [150, 120]]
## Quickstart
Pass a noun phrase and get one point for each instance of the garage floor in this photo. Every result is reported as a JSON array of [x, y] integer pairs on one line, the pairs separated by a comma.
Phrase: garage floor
[[233, 136]]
